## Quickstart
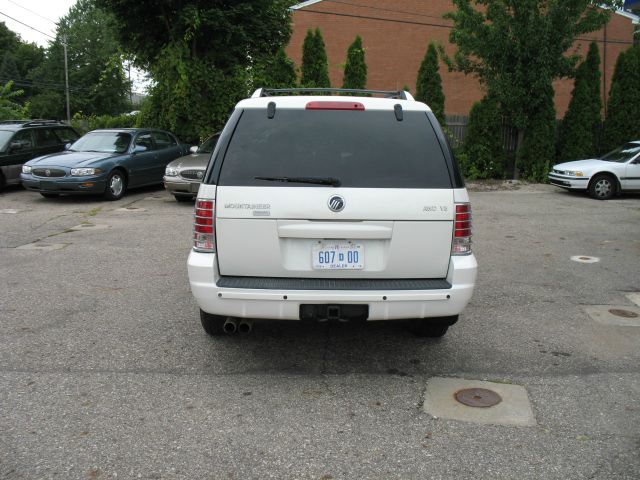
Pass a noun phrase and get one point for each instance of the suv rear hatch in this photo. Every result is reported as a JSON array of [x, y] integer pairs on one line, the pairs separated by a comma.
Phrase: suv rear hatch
[[334, 194]]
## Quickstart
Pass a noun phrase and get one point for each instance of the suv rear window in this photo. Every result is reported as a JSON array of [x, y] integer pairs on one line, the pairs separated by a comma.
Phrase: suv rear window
[[369, 149]]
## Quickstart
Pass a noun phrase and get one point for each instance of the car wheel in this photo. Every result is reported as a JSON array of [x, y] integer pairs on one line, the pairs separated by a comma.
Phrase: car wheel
[[3, 182], [212, 324], [183, 198], [116, 185], [602, 187], [431, 327], [50, 195]]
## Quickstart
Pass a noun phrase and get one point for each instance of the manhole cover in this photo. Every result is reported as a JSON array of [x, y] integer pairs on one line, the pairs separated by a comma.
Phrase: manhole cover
[[585, 259], [477, 397], [623, 313]]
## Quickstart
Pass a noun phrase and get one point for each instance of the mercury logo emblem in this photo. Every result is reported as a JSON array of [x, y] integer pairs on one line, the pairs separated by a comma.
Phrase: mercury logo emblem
[[47, 172], [336, 203], [199, 174]]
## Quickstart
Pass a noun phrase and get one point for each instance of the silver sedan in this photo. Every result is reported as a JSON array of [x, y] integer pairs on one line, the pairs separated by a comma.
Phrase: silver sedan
[[183, 176]]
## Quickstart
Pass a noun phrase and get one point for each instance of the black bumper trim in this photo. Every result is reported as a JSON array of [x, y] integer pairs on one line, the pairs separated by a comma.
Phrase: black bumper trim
[[276, 283]]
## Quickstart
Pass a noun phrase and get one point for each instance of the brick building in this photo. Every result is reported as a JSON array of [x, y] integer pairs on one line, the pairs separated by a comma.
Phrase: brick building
[[395, 36]]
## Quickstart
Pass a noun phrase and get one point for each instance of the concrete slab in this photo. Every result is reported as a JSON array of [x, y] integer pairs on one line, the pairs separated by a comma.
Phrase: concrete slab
[[634, 297], [89, 226], [605, 314], [514, 409], [43, 246]]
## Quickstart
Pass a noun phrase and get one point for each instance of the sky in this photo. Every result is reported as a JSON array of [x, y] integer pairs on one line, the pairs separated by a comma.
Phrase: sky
[[42, 16], [39, 14]]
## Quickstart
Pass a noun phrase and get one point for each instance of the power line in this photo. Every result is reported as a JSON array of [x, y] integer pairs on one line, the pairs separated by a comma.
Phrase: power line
[[384, 9], [438, 25], [28, 26], [31, 11]]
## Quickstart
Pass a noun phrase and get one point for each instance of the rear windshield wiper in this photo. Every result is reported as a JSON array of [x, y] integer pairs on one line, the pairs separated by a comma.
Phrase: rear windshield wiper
[[334, 182]]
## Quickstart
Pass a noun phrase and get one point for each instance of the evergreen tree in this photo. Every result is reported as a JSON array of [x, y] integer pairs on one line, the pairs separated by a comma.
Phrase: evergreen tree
[[355, 71], [538, 148], [579, 127], [483, 153], [315, 68], [280, 72], [623, 109], [429, 83]]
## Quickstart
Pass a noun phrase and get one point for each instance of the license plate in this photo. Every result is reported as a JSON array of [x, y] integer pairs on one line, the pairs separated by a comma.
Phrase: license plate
[[338, 256], [48, 185]]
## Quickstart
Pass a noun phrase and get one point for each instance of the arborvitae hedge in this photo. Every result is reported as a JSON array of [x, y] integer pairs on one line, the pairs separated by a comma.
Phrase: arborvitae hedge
[[579, 132], [623, 110], [279, 72], [315, 69], [483, 155], [355, 71], [538, 149], [429, 83]]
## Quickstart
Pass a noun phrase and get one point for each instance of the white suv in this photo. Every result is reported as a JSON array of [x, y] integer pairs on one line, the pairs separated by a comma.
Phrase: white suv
[[332, 208]]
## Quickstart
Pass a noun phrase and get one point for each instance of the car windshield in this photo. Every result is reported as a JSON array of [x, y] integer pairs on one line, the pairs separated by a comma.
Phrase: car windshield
[[208, 145], [5, 135], [623, 153], [106, 142]]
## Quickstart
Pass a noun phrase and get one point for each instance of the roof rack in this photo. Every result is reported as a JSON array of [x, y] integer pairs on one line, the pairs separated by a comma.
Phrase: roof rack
[[40, 121], [13, 122], [269, 92]]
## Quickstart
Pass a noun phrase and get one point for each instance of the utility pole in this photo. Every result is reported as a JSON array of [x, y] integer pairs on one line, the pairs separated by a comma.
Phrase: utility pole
[[66, 78]]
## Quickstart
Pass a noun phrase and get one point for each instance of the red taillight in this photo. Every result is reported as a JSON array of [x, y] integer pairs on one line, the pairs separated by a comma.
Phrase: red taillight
[[203, 228], [334, 106], [461, 244]]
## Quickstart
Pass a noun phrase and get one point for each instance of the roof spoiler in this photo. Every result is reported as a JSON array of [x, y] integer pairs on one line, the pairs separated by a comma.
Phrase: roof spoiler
[[270, 92]]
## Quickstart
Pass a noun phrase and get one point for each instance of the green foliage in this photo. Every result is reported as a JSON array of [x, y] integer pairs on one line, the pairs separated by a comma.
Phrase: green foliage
[[315, 67], [623, 109], [429, 83], [97, 82], [86, 123], [9, 108], [200, 55], [184, 98], [578, 135], [534, 157], [18, 60], [516, 48], [275, 72], [483, 155], [355, 71]]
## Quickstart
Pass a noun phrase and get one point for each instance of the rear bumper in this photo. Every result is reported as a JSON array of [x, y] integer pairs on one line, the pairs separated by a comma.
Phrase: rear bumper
[[284, 303]]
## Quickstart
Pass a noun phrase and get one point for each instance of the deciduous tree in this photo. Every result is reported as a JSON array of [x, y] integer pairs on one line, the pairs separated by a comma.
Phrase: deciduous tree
[[516, 48], [199, 54]]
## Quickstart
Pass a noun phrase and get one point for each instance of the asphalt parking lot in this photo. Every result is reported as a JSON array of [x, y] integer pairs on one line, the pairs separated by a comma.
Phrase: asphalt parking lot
[[105, 371]]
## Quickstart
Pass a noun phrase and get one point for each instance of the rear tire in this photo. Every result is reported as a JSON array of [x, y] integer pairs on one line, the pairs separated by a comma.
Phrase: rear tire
[[602, 186], [431, 327], [50, 195], [183, 198], [3, 182], [212, 324]]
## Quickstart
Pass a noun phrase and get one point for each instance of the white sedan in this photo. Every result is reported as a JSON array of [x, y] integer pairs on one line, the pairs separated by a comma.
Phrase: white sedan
[[616, 172]]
